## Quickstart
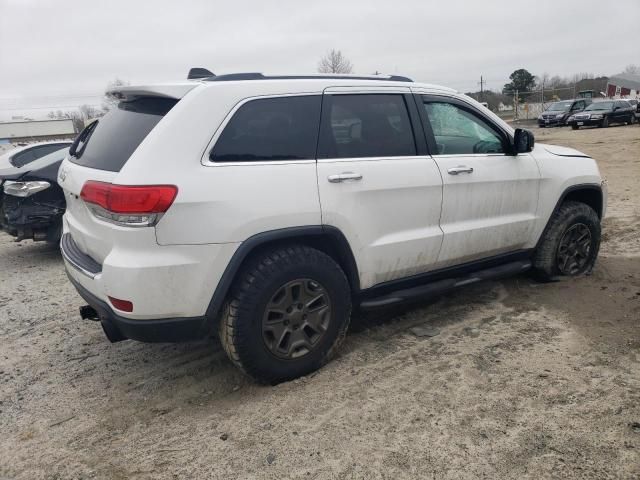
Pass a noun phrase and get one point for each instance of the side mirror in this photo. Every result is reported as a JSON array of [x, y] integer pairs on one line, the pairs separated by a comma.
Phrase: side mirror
[[523, 141]]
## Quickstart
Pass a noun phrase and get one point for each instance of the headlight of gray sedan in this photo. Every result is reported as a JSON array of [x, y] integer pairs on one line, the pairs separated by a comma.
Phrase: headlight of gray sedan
[[25, 189]]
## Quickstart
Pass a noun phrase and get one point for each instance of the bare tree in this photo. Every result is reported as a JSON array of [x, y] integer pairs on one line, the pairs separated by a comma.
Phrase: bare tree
[[108, 102], [334, 62], [89, 111], [633, 69]]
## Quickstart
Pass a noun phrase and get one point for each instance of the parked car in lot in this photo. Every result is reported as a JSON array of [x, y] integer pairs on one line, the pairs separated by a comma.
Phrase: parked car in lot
[[31, 202], [24, 154], [635, 104], [603, 114], [557, 113], [268, 208]]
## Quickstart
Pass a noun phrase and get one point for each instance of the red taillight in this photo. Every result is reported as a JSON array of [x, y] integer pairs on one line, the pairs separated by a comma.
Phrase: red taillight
[[124, 305], [129, 199]]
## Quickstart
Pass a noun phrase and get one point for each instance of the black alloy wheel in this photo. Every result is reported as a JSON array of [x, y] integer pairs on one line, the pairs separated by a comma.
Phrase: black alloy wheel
[[296, 318], [574, 249]]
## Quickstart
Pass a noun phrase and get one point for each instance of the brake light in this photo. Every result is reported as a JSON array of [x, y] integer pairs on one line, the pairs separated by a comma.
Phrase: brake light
[[130, 205]]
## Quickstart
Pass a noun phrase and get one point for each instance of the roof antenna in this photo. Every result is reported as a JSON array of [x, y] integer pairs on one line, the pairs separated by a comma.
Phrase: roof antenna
[[199, 72]]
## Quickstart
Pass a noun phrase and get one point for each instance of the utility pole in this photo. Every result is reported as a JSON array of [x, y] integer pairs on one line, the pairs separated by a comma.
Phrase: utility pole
[[482, 83]]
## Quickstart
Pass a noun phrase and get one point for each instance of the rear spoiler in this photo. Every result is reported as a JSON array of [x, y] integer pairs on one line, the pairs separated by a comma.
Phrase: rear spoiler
[[172, 90]]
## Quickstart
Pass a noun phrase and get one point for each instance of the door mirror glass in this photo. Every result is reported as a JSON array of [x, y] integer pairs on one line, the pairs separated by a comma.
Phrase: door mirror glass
[[523, 141]]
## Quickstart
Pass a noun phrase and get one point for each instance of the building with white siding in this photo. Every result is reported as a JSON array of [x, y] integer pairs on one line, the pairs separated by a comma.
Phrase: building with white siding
[[37, 130]]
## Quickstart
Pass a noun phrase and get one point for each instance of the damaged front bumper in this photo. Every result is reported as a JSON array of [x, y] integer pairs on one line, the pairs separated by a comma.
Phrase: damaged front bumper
[[37, 217]]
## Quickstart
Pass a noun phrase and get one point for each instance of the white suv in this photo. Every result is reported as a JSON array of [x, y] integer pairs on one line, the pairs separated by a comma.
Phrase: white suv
[[267, 208]]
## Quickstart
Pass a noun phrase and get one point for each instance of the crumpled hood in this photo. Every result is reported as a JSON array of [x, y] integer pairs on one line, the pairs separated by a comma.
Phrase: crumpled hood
[[563, 151]]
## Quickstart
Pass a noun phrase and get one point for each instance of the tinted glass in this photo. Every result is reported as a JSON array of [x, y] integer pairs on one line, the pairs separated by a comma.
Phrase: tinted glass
[[366, 126], [27, 156], [108, 143], [459, 132], [284, 128]]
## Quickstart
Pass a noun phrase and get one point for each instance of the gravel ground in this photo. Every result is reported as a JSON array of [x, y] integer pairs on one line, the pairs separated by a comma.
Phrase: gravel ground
[[524, 380]]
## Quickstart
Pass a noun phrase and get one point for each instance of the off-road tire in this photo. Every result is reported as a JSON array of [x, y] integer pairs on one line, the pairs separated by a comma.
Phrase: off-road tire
[[545, 259], [241, 323]]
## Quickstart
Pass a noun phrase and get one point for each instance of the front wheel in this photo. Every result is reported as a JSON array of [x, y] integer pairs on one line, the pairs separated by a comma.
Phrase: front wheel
[[570, 244], [632, 119], [604, 123], [288, 313], [575, 127]]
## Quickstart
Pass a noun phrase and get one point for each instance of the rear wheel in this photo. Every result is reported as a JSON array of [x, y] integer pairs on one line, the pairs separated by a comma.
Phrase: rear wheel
[[570, 244], [288, 312]]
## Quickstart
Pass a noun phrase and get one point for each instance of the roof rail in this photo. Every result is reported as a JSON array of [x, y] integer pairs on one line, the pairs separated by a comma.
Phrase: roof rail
[[259, 76]]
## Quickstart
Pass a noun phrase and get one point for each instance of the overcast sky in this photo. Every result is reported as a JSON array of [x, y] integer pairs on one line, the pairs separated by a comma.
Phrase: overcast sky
[[52, 52]]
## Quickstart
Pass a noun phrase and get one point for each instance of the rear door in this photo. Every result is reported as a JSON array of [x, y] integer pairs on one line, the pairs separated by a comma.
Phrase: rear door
[[490, 196], [377, 183]]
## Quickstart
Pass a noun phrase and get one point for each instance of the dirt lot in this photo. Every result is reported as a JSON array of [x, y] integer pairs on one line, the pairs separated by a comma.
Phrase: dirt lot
[[524, 380]]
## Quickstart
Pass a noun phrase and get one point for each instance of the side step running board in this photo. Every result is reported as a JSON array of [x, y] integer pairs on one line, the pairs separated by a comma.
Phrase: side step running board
[[440, 286]]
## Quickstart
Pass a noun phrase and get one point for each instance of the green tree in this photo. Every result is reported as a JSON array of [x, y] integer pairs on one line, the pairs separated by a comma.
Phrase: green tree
[[521, 80]]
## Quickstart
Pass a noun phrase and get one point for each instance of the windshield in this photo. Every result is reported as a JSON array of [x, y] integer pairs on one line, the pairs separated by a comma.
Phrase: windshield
[[108, 143], [560, 107], [600, 106]]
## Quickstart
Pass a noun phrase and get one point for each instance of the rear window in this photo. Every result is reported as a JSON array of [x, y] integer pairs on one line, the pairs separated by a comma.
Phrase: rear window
[[108, 143], [25, 157], [282, 128]]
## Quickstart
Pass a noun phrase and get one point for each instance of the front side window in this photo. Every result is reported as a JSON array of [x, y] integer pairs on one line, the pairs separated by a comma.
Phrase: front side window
[[366, 125], [282, 128], [460, 132]]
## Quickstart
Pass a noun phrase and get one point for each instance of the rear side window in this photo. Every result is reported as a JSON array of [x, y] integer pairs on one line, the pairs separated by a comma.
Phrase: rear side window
[[108, 143], [366, 125], [283, 128], [27, 156]]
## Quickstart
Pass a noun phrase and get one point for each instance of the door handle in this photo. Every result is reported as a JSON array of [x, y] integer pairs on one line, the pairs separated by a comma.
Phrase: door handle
[[459, 169], [344, 177]]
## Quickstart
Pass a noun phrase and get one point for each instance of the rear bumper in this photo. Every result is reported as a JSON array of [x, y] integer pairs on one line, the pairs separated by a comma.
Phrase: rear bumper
[[156, 330]]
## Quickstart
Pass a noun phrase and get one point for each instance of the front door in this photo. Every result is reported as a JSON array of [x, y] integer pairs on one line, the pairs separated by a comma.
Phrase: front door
[[377, 184], [490, 196]]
